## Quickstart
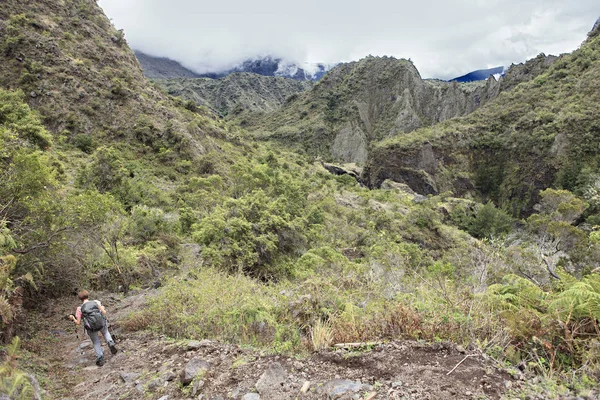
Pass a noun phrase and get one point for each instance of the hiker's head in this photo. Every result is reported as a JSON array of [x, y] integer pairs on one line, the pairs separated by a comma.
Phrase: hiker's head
[[83, 295]]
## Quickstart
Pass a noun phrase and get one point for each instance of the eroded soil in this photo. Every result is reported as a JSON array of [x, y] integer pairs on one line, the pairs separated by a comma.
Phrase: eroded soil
[[149, 366]]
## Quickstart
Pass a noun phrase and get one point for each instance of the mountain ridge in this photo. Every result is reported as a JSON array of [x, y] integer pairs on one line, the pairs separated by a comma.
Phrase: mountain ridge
[[165, 68], [362, 102], [512, 147]]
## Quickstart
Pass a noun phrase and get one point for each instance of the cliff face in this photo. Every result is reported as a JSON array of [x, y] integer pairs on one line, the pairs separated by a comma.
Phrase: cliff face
[[359, 103], [541, 133], [236, 92]]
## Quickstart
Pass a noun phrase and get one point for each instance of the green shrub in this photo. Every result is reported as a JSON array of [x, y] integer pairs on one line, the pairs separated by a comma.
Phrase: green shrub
[[84, 143], [490, 222], [148, 222], [247, 234]]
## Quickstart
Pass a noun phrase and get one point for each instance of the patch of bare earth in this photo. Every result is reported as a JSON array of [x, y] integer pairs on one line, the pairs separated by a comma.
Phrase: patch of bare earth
[[151, 367]]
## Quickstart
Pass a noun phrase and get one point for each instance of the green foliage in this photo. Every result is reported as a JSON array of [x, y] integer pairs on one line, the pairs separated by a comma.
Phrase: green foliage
[[244, 312], [247, 234], [14, 382], [148, 222], [105, 172], [84, 143], [487, 221]]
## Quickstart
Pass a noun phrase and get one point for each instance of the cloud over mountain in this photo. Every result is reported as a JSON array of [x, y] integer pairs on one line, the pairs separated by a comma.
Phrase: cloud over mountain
[[443, 38]]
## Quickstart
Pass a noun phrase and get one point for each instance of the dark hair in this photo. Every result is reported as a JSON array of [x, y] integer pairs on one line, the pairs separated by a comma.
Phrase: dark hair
[[83, 294]]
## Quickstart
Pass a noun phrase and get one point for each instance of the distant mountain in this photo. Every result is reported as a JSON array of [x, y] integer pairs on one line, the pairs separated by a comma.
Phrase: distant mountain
[[236, 92], [165, 68], [479, 75]]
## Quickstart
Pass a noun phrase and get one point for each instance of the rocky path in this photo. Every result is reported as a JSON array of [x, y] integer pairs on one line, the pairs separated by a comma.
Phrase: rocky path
[[152, 367]]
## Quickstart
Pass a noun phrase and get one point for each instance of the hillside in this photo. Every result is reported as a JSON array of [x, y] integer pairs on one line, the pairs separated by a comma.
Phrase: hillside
[[357, 104], [543, 133], [236, 92]]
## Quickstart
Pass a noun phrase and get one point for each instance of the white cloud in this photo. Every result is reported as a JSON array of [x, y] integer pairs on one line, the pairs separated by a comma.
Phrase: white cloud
[[444, 38]]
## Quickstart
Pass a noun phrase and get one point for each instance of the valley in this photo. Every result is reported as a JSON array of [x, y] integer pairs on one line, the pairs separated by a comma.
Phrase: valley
[[216, 220]]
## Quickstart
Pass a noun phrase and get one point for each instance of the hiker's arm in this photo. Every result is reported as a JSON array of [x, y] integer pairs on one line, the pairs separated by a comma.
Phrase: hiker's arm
[[102, 309], [76, 320]]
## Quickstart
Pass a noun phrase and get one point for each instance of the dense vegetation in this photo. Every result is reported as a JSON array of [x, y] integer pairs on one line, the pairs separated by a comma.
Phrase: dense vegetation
[[237, 92], [258, 245], [543, 133]]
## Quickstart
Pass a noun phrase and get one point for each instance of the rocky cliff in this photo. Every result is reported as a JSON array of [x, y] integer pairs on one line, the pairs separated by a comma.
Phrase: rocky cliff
[[359, 103], [543, 132], [241, 91]]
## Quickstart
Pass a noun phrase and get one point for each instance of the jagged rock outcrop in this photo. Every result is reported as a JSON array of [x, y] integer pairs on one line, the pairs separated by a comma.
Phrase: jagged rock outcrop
[[359, 103], [236, 92], [541, 133]]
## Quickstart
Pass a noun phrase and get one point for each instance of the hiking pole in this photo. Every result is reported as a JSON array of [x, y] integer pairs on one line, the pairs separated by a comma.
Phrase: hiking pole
[[76, 330], [110, 330]]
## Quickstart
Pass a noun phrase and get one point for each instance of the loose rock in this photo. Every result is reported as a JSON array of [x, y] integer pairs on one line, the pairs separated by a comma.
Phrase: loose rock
[[272, 380], [129, 377], [339, 387], [194, 367]]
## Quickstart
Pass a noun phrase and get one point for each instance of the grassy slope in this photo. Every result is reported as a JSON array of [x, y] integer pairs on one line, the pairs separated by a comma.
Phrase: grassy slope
[[236, 92], [543, 133]]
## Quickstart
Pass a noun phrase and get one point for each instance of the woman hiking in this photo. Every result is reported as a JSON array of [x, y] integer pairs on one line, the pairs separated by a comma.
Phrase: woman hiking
[[94, 321]]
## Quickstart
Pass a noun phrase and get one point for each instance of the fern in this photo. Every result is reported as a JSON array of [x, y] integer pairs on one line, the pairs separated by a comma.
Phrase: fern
[[14, 382], [580, 299]]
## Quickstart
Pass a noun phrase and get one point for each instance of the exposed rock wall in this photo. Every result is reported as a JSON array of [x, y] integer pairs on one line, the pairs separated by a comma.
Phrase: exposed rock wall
[[360, 103]]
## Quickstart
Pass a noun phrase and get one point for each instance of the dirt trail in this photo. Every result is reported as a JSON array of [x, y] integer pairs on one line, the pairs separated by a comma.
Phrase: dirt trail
[[150, 367]]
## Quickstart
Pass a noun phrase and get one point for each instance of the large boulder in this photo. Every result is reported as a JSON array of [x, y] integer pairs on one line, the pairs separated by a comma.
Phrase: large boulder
[[193, 368], [272, 381]]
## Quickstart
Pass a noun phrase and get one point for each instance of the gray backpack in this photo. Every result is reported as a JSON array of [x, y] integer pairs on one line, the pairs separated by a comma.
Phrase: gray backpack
[[93, 320]]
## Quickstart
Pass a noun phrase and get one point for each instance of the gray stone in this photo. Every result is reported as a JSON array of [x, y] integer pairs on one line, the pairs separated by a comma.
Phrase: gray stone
[[129, 377], [272, 380], [164, 398], [85, 345], [169, 376], [340, 387], [155, 384], [193, 368], [251, 396], [195, 344], [198, 385]]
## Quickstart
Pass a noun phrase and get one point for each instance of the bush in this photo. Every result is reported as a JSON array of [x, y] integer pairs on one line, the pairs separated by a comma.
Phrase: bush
[[84, 143], [247, 234], [147, 223], [490, 222]]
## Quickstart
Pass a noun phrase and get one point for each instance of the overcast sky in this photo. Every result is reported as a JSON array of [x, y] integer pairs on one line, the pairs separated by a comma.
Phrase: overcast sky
[[445, 38]]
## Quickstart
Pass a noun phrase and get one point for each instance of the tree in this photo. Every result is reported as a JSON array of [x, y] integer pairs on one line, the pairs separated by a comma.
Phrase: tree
[[552, 230]]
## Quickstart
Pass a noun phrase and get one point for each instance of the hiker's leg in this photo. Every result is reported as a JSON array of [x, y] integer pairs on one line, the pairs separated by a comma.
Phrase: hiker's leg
[[96, 342], [106, 334], [109, 339]]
